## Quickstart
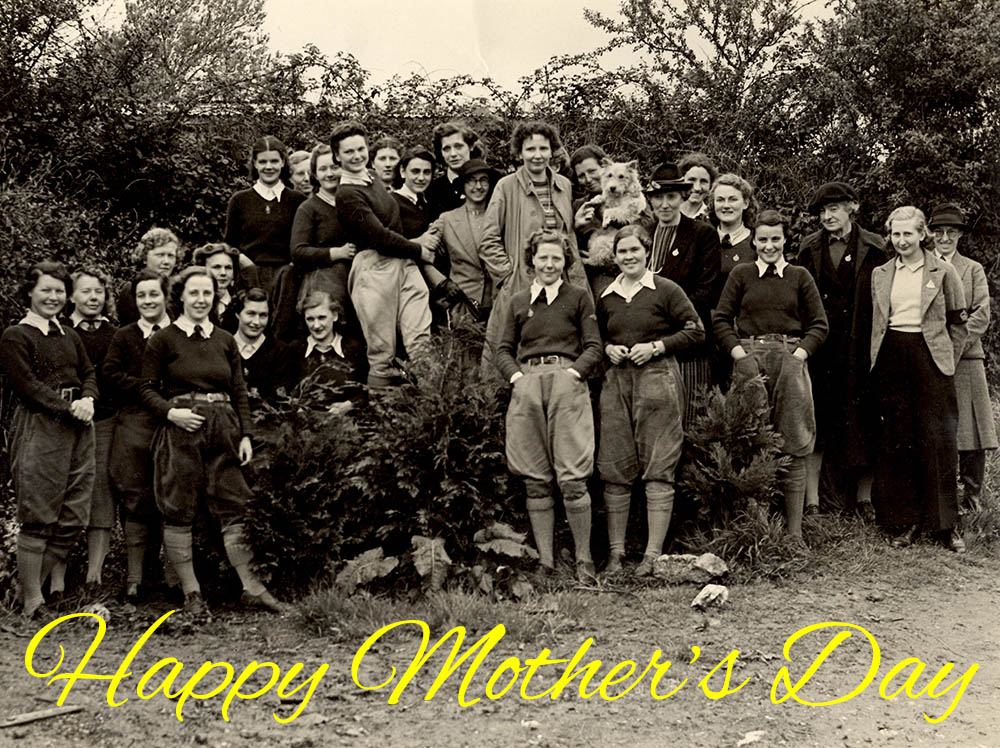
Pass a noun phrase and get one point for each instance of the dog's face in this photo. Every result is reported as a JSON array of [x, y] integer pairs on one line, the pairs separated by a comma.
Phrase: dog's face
[[620, 179]]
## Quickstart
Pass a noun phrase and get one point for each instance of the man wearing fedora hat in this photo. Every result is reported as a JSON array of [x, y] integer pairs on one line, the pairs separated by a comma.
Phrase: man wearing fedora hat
[[976, 431], [687, 252], [841, 256]]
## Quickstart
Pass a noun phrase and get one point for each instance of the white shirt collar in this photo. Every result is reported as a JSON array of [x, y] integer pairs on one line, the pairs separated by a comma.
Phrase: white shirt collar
[[76, 318], [914, 268], [364, 178], [39, 322], [338, 345], [646, 281], [550, 291], [147, 327], [779, 267], [187, 326], [246, 347], [409, 194], [269, 193], [328, 199]]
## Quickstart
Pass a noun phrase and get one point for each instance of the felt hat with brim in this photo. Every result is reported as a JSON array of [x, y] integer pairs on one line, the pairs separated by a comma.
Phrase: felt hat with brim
[[947, 214], [477, 166], [832, 192], [202, 253], [666, 178]]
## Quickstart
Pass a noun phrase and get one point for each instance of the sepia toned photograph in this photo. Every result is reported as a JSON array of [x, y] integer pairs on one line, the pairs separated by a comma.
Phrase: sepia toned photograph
[[516, 373]]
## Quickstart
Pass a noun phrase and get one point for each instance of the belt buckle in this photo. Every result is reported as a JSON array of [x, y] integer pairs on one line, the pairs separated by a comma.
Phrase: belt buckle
[[66, 393], [550, 359]]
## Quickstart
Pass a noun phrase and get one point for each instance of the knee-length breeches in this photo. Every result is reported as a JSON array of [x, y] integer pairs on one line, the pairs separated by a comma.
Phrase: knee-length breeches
[[52, 464], [189, 464], [550, 426], [641, 432], [131, 468]]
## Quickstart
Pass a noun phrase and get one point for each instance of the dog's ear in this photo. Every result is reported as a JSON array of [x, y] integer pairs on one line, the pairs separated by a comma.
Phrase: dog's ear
[[633, 165], [606, 162]]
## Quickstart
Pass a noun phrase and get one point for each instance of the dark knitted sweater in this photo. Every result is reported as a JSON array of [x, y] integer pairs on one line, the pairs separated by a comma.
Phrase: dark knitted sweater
[[664, 313], [97, 342], [122, 368], [444, 195], [753, 305], [566, 327], [262, 229], [268, 369], [174, 364], [316, 228], [329, 367], [38, 366], [370, 218], [414, 219]]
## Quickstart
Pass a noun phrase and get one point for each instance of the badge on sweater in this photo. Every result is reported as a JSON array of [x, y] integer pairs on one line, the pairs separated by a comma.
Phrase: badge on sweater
[[930, 284], [847, 258]]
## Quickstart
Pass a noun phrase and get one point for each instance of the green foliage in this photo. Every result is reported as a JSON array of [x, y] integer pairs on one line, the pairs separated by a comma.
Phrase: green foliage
[[426, 459]]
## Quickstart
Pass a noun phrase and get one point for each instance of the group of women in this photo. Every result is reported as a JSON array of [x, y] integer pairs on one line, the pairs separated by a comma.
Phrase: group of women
[[874, 364]]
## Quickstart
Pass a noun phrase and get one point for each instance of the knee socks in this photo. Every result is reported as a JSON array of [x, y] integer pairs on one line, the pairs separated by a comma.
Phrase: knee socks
[[240, 555], [616, 501], [814, 465], [578, 516], [136, 537], [659, 507], [30, 550], [793, 485], [543, 520], [57, 548], [177, 543]]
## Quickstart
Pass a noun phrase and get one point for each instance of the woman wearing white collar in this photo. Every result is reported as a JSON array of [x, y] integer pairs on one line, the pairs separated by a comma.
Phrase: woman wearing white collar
[[644, 320], [770, 319], [259, 219]]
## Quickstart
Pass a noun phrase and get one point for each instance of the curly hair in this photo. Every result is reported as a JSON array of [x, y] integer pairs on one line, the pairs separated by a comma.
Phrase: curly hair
[[771, 217], [179, 281], [147, 275], [691, 160], [547, 236], [525, 130], [319, 150], [744, 187], [105, 280], [454, 127], [251, 294], [155, 237], [344, 130], [53, 269]]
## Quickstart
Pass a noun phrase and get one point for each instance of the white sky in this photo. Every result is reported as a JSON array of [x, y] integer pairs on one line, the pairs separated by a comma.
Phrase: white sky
[[503, 39]]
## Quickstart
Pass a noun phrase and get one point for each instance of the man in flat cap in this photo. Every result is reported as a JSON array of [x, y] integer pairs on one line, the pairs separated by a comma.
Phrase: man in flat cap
[[841, 257]]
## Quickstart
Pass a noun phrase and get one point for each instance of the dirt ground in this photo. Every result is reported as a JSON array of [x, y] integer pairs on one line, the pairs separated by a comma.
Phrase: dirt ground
[[922, 602]]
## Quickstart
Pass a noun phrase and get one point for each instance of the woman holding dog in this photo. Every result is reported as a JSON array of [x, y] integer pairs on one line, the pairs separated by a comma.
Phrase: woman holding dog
[[686, 252], [533, 197], [644, 319], [549, 342]]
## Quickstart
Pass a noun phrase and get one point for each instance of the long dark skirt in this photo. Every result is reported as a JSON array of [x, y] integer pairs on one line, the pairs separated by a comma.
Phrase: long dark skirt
[[915, 470]]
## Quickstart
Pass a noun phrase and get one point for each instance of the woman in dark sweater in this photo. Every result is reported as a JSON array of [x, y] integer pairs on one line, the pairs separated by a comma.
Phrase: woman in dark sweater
[[259, 220], [52, 432], [92, 307], [770, 319], [388, 291], [454, 144], [644, 320], [131, 469], [192, 381], [223, 262], [548, 344]]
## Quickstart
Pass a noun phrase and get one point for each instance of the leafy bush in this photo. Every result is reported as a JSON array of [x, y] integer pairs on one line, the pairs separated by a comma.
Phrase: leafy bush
[[425, 459]]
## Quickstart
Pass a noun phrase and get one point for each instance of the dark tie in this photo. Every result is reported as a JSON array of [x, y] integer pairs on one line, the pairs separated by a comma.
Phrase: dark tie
[[156, 328], [725, 242], [90, 325], [54, 328], [770, 271], [199, 333]]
